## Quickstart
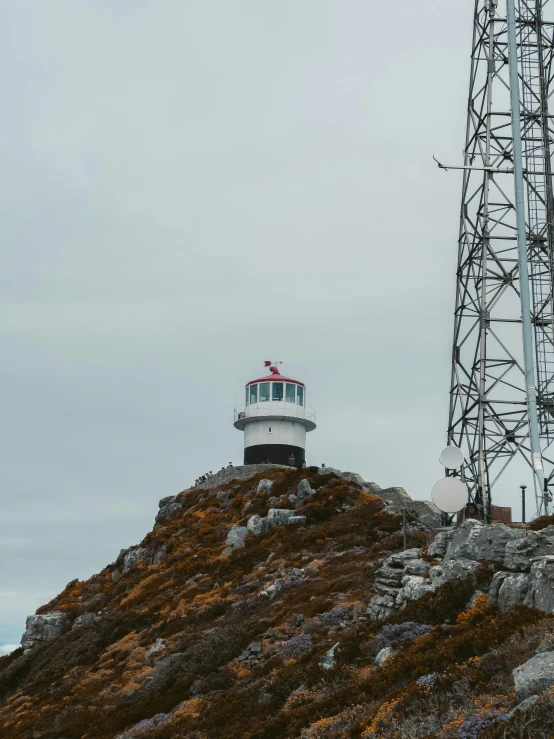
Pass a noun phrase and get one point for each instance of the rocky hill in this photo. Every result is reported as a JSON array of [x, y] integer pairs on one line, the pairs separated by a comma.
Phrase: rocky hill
[[271, 602]]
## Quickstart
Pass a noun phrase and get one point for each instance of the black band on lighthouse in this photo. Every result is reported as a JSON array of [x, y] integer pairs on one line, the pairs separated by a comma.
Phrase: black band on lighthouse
[[276, 453]]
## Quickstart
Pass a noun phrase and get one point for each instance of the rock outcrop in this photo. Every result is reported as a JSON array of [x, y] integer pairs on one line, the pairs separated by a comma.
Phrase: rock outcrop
[[43, 628], [395, 585], [236, 536], [527, 574], [535, 675]]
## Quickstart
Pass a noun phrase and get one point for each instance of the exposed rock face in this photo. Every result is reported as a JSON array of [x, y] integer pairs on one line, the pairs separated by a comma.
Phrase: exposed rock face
[[264, 486], [417, 567], [241, 472], [520, 552], [236, 536], [133, 557], [42, 628], [541, 585], [535, 675], [508, 589], [159, 555], [304, 491], [256, 525], [473, 541], [395, 585], [279, 516], [413, 587], [451, 569], [439, 546], [328, 660], [168, 507], [84, 620], [158, 646], [383, 655], [424, 510]]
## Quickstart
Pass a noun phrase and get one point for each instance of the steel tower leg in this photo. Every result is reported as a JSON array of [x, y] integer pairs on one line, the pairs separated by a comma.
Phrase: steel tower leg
[[524, 288]]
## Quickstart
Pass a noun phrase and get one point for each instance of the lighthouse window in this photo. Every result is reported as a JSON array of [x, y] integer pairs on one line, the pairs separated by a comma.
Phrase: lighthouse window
[[277, 393], [264, 391], [290, 392], [300, 395], [253, 393], [247, 392]]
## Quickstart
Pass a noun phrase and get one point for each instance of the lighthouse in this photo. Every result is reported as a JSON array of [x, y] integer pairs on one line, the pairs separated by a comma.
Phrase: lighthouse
[[275, 419]]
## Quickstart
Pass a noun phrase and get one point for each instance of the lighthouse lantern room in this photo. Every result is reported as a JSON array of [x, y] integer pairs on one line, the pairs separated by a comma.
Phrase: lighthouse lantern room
[[275, 419]]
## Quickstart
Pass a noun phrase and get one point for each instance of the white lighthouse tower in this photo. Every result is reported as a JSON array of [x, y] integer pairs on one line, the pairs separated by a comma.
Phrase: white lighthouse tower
[[275, 419]]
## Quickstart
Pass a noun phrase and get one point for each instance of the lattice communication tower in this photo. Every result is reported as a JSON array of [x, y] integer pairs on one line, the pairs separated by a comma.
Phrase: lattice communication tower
[[502, 386]]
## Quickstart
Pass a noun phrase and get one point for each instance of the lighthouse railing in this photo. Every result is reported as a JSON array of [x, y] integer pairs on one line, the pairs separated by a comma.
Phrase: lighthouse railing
[[273, 408]]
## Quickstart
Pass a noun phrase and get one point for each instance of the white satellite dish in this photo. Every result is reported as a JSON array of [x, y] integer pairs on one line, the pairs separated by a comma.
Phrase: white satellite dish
[[450, 494], [452, 458]]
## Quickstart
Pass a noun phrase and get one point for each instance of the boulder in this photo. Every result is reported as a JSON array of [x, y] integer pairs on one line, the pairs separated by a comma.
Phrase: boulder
[[278, 516], [42, 628], [427, 512], [397, 497], [413, 587], [168, 508], [327, 662], [381, 606], [225, 495], [439, 546], [541, 584], [158, 645], [264, 486], [84, 620], [236, 536], [474, 540], [256, 525], [523, 706], [304, 491], [452, 569], [520, 552], [304, 488], [383, 655], [296, 520], [402, 558], [328, 471], [390, 575], [159, 555], [507, 589], [133, 557], [535, 675], [417, 567]]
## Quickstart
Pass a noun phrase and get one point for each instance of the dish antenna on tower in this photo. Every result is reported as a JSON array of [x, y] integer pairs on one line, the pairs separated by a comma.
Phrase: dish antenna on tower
[[452, 458], [450, 494]]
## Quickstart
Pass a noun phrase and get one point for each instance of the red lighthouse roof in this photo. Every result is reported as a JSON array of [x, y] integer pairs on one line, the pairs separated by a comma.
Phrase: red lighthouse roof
[[275, 376]]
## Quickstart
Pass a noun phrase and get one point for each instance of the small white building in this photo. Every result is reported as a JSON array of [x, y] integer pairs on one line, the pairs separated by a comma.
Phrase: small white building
[[275, 419]]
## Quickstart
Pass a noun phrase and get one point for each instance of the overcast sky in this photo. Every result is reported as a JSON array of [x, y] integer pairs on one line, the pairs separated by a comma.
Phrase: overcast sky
[[186, 190]]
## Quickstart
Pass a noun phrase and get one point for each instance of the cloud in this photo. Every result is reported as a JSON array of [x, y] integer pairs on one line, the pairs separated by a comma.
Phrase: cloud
[[8, 648]]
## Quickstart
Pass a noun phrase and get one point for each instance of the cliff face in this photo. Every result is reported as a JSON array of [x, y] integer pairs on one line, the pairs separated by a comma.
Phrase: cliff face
[[252, 610]]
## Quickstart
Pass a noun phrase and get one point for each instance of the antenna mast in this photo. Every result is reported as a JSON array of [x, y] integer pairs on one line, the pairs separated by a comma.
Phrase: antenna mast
[[502, 385]]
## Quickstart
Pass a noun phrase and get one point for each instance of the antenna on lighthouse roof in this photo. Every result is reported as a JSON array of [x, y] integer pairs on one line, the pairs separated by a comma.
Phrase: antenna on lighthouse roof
[[272, 367]]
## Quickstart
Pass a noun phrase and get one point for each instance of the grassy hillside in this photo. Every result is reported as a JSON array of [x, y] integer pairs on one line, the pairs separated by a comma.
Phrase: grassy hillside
[[168, 652]]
